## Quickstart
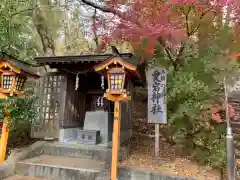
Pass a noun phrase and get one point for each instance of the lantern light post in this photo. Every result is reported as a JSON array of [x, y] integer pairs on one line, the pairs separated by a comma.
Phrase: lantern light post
[[13, 76], [117, 94], [116, 71]]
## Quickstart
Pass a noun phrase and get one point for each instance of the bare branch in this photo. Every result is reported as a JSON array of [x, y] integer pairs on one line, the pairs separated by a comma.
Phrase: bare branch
[[102, 8], [179, 54], [200, 18], [168, 51], [187, 23], [109, 10]]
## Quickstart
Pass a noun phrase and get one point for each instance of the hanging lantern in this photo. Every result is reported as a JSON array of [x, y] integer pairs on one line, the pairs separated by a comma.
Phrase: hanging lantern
[[12, 83], [12, 80], [116, 80]]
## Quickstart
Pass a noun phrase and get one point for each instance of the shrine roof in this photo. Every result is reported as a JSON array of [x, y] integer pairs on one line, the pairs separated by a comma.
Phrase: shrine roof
[[83, 63], [129, 57]]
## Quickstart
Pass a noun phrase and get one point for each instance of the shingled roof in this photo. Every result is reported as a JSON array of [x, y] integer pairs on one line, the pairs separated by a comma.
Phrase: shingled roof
[[58, 61], [129, 57]]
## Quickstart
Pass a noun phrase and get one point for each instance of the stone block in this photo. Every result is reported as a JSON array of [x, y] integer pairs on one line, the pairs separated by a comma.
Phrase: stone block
[[133, 174], [99, 120], [54, 172], [68, 134], [88, 136]]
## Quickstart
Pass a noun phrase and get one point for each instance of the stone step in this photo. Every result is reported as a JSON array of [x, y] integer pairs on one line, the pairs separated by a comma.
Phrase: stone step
[[18, 177], [60, 168], [95, 152]]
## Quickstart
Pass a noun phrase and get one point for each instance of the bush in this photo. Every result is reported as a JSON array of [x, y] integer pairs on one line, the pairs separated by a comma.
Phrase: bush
[[192, 91], [23, 115]]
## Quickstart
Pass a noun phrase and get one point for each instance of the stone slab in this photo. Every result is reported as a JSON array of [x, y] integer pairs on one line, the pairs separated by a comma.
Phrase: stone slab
[[18, 177], [60, 168], [88, 136], [68, 162], [133, 174], [99, 120]]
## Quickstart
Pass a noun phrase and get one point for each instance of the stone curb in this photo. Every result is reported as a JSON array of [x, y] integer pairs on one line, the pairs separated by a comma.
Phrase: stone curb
[[133, 174], [8, 167]]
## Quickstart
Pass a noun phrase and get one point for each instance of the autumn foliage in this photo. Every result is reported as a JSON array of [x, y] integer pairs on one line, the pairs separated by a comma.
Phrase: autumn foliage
[[194, 39], [169, 23], [218, 113]]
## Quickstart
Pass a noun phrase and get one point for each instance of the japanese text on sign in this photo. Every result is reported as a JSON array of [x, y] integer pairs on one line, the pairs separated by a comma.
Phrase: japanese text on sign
[[156, 78]]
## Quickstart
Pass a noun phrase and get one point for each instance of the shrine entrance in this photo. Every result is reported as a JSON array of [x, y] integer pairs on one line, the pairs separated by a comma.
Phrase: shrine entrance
[[71, 105]]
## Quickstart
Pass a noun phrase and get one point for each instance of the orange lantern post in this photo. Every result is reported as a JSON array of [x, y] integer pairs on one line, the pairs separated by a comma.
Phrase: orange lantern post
[[13, 76], [116, 71]]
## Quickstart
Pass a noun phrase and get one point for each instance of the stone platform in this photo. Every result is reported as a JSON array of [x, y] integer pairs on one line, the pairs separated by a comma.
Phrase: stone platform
[[64, 161], [56, 161]]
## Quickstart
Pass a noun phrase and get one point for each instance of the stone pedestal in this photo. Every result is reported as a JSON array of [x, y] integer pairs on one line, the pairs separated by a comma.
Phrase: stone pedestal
[[99, 121]]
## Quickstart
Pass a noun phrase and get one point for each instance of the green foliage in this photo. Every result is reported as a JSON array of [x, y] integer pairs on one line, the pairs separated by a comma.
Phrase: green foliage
[[23, 115], [17, 35], [191, 93]]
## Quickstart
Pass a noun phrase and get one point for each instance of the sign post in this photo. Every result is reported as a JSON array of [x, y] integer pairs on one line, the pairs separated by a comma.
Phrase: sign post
[[157, 106]]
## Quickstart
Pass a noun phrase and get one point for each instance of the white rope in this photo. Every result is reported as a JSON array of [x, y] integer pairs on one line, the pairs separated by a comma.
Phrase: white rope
[[102, 82], [77, 82]]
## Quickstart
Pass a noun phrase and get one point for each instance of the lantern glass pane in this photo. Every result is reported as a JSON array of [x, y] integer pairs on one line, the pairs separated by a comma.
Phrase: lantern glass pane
[[116, 81], [19, 82], [7, 81]]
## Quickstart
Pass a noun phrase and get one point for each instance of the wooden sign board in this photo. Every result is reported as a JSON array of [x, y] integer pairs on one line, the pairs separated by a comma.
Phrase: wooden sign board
[[157, 108]]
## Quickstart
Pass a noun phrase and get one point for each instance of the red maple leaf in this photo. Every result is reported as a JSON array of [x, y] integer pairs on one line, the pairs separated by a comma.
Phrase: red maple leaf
[[137, 20]]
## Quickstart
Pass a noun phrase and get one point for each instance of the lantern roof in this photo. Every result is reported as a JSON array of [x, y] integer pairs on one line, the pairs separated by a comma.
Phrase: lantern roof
[[128, 66], [18, 67]]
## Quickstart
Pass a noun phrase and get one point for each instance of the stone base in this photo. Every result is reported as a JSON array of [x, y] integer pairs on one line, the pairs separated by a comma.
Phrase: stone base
[[88, 137], [134, 174], [99, 121], [68, 134]]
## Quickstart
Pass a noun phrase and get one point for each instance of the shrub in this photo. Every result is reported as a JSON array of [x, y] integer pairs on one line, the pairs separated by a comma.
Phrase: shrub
[[192, 91], [23, 114]]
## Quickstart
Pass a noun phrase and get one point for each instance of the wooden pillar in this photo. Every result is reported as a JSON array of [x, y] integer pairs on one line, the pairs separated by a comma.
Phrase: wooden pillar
[[4, 136], [115, 144], [156, 140]]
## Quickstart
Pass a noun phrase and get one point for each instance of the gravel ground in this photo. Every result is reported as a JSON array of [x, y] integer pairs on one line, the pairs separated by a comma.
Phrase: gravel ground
[[169, 162]]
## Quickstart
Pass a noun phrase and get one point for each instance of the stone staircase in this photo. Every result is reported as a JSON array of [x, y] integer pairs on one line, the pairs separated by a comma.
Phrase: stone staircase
[[56, 161]]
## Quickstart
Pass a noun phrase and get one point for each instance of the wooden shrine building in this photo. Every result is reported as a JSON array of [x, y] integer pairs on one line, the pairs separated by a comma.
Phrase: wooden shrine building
[[71, 99]]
